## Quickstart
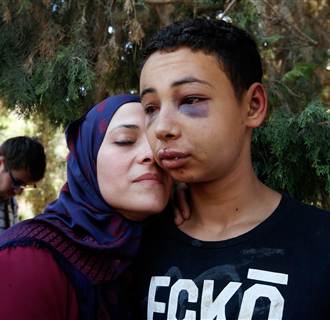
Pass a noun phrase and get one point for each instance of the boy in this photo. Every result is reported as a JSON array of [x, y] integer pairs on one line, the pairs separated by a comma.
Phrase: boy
[[22, 163], [247, 252]]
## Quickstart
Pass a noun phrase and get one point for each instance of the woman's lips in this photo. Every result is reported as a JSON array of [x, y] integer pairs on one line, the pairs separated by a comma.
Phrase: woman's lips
[[171, 159], [149, 177]]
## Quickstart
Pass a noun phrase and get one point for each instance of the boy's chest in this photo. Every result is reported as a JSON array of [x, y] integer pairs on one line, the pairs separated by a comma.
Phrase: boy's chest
[[254, 283]]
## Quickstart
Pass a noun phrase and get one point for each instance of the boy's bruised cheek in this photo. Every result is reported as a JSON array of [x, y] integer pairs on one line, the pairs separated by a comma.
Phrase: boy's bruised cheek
[[196, 110]]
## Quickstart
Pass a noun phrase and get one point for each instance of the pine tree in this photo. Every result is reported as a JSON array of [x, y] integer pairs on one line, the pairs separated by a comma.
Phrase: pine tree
[[58, 57]]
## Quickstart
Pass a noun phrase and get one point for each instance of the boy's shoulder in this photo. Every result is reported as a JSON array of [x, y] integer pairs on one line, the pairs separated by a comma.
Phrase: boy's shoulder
[[307, 220], [307, 211]]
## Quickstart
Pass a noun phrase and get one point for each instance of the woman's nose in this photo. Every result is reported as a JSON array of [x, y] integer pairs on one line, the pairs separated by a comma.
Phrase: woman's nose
[[145, 153]]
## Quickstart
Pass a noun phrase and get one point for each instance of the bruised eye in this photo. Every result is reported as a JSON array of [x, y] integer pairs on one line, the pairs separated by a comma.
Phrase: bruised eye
[[192, 100], [195, 107]]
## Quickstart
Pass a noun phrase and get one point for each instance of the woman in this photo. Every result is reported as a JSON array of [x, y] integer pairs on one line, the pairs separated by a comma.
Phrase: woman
[[71, 262]]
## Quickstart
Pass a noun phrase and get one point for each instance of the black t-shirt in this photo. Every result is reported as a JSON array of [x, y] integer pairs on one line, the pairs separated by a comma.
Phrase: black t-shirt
[[278, 270]]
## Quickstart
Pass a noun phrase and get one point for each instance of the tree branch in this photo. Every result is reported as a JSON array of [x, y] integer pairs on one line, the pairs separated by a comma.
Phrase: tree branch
[[291, 24], [229, 7]]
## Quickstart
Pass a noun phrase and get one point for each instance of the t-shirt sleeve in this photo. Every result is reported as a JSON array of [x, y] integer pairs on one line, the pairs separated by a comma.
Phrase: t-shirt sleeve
[[32, 286]]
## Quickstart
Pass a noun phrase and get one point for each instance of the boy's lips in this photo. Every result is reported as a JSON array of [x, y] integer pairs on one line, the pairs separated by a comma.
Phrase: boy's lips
[[172, 159]]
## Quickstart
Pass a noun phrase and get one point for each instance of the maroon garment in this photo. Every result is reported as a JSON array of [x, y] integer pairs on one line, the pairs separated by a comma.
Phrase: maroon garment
[[33, 287], [90, 270]]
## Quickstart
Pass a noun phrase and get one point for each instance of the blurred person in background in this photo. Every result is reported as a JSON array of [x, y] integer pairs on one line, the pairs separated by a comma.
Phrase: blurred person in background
[[22, 164]]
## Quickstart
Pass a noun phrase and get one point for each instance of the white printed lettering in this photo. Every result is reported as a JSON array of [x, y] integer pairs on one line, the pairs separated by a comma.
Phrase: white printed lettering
[[267, 276], [153, 305], [182, 285], [257, 291], [216, 309]]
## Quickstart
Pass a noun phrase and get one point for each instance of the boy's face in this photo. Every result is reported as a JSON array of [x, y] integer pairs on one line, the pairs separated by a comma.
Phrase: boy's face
[[9, 180], [195, 125]]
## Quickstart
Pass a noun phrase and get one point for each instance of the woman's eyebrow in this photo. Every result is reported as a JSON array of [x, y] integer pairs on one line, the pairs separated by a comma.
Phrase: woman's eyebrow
[[127, 126]]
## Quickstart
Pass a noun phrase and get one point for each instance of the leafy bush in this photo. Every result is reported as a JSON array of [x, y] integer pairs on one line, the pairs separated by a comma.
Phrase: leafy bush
[[291, 152]]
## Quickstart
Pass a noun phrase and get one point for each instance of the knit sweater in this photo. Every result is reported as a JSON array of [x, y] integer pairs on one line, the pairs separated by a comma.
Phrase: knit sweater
[[88, 270]]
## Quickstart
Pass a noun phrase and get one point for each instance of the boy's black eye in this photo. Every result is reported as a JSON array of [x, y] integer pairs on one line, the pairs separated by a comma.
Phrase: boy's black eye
[[191, 100]]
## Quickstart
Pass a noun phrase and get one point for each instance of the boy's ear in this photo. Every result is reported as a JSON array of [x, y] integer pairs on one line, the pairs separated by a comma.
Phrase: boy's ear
[[257, 105]]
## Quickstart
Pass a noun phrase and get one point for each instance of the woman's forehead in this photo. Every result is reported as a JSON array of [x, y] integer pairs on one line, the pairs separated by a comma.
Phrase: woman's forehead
[[128, 114]]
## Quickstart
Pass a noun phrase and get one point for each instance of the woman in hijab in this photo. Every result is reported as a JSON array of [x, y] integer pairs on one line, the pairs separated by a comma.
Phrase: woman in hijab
[[72, 261]]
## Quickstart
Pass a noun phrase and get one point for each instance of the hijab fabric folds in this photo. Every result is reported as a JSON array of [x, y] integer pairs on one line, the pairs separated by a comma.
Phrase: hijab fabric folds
[[88, 219]]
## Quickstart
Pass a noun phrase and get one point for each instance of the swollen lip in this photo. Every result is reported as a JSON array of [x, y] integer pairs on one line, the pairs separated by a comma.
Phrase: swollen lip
[[172, 159], [173, 163]]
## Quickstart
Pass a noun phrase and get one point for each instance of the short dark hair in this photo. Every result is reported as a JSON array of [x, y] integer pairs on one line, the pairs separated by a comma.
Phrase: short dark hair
[[233, 47], [24, 153]]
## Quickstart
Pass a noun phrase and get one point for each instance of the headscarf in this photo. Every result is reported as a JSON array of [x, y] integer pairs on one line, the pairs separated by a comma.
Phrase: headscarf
[[87, 218]]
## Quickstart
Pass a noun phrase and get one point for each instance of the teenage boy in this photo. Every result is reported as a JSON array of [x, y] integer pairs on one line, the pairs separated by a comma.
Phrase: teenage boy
[[22, 163], [247, 252]]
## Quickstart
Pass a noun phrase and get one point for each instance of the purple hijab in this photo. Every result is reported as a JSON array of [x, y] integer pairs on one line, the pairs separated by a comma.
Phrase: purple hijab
[[80, 208]]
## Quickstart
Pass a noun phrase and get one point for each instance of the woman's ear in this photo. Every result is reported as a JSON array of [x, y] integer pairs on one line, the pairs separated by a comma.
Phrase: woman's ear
[[257, 105]]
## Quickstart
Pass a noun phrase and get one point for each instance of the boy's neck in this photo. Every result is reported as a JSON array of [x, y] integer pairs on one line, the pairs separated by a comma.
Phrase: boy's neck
[[227, 208]]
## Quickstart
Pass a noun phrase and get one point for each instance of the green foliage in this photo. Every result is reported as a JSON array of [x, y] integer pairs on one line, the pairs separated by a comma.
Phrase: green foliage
[[57, 58], [41, 68], [14, 82], [63, 81], [288, 157], [245, 16], [295, 89], [300, 70]]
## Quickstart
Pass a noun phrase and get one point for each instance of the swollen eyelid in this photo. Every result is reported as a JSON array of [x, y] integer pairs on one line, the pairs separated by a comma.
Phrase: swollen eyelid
[[193, 100]]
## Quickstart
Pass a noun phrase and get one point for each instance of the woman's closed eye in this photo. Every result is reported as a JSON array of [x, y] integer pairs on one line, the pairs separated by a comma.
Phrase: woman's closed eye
[[124, 142]]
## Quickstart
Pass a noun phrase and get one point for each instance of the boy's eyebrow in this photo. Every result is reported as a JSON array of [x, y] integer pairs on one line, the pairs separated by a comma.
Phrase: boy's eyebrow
[[127, 126], [146, 91], [189, 80], [177, 83]]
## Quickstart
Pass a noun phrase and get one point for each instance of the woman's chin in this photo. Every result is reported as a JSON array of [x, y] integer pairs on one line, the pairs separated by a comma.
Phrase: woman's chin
[[143, 214]]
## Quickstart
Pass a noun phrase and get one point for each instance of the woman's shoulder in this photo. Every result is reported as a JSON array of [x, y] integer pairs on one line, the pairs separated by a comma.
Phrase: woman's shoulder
[[23, 229], [27, 262], [32, 283]]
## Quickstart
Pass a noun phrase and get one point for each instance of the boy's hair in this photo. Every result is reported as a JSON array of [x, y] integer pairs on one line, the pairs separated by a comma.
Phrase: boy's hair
[[24, 153], [234, 48]]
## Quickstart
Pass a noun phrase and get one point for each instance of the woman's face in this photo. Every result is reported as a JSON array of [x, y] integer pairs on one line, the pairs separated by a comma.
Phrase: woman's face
[[128, 177]]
